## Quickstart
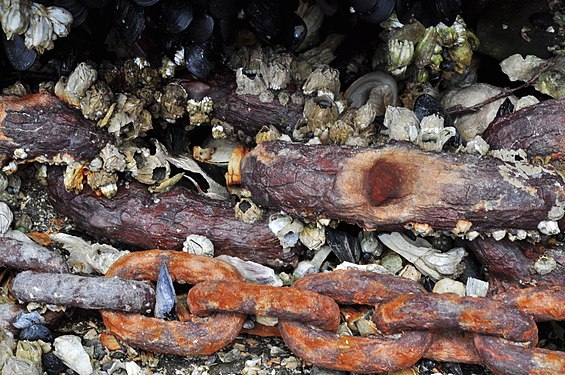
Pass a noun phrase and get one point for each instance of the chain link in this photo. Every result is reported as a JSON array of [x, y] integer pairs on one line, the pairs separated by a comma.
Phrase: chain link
[[499, 332]]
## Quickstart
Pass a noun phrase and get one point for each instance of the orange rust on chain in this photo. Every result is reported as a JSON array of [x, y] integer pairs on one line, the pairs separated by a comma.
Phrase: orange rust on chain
[[197, 336], [263, 330], [543, 303], [505, 357], [437, 311], [449, 346], [283, 303], [355, 354], [358, 287]]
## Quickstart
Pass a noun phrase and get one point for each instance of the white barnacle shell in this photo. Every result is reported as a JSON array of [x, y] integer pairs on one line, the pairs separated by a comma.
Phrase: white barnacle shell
[[61, 19], [402, 124], [400, 55], [286, 228], [247, 211], [549, 227], [198, 245], [324, 80], [313, 237], [6, 218], [15, 16], [39, 34]]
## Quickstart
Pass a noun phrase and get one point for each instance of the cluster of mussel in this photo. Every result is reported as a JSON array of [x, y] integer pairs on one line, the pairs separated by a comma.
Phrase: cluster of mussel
[[196, 32]]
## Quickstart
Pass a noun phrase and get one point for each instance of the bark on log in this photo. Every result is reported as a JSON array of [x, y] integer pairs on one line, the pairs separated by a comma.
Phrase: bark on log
[[398, 185], [512, 263], [30, 256], [43, 126], [150, 221], [244, 112], [538, 130]]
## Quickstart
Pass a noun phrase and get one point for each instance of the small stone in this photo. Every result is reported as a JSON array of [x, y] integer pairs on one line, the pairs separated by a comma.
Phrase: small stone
[[36, 332], [476, 287], [449, 286], [20, 366], [52, 365], [545, 264], [70, 350], [109, 341], [410, 272], [392, 262]]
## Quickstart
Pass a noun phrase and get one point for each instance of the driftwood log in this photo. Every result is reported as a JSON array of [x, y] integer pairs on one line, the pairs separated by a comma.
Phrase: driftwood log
[[512, 263], [41, 127], [399, 185], [162, 221], [244, 113], [538, 130]]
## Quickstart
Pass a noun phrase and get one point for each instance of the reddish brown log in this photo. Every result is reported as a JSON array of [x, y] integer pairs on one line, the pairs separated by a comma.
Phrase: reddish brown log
[[30, 256], [136, 217], [513, 262], [398, 185], [244, 112], [538, 130], [43, 127]]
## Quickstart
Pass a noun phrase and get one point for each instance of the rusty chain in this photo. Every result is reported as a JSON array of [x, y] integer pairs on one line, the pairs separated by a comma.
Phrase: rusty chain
[[499, 332]]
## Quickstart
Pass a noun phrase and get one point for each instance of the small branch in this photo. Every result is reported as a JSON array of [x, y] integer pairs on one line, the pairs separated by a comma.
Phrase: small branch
[[458, 110]]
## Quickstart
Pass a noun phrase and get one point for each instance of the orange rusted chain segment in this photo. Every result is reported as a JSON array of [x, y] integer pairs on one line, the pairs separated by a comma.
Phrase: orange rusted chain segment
[[543, 303], [283, 303], [506, 357], [358, 287], [438, 311], [193, 337], [453, 346], [355, 354], [263, 330]]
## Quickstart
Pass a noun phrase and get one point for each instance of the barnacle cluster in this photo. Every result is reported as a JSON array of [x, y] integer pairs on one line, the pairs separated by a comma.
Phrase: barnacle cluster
[[39, 25], [428, 50]]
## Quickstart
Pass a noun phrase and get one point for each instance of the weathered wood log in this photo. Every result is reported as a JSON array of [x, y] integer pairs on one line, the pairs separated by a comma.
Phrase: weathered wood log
[[41, 127], [399, 185], [244, 112], [513, 262], [538, 130], [150, 221], [30, 256]]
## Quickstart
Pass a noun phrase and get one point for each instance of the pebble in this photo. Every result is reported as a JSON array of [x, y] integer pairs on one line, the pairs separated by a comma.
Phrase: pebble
[[70, 350], [449, 286], [36, 332], [20, 366]]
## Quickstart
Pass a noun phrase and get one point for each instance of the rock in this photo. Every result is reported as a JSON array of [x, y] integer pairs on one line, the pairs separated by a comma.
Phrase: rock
[[70, 350], [449, 286], [20, 366], [473, 124]]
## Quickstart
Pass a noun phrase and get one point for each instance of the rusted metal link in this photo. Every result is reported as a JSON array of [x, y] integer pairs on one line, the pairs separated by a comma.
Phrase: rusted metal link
[[283, 303], [450, 346], [358, 287], [439, 311], [543, 303], [356, 354], [30, 256], [85, 292], [506, 357], [194, 337]]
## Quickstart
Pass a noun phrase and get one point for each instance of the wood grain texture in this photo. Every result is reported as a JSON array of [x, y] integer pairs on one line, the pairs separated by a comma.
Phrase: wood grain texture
[[137, 217], [44, 127], [398, 185]]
